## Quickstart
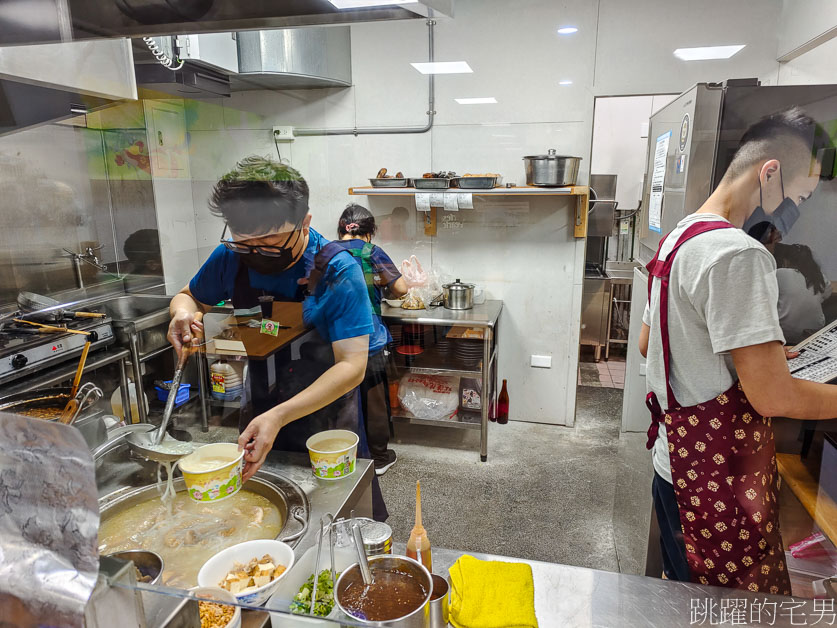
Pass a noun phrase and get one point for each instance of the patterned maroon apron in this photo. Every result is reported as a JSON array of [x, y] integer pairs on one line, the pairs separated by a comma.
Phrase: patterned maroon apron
[[723, 465]]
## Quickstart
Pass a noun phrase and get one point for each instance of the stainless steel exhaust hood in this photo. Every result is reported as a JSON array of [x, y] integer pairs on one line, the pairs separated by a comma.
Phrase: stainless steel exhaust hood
[[42, 21], [49, 82]]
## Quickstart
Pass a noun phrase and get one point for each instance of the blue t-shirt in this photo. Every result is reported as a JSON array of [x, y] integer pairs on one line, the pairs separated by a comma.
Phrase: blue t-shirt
[[384, 274], [339, 309]]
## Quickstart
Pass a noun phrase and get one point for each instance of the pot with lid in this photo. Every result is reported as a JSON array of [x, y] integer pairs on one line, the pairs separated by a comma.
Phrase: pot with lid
[[458, 295], [551, 170]]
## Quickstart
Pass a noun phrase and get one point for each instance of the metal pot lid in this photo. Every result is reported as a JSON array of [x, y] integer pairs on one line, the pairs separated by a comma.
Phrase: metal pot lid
[[551, 154], [458, 285]]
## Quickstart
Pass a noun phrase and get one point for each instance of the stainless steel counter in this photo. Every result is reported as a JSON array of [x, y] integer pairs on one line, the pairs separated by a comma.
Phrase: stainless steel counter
[[482, 315], [580, 597]]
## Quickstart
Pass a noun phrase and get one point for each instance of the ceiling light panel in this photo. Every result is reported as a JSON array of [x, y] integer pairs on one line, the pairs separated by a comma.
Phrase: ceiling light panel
[[477, 101], [567, 30], [705, 53], [362, 4], [443, 67]]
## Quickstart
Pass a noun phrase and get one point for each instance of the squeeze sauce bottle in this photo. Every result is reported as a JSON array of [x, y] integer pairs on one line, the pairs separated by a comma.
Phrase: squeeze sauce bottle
[[418, 547]]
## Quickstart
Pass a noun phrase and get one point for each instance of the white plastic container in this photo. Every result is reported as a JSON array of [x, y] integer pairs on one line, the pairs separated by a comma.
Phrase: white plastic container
[[116, 403], [227, 380], [290, 585]]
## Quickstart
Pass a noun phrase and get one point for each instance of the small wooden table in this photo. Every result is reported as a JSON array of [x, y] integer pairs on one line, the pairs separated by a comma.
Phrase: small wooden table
[[259, 346]]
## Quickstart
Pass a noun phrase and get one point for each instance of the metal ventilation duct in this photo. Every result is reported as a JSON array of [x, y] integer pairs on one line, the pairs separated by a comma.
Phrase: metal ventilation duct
[[294, 58]]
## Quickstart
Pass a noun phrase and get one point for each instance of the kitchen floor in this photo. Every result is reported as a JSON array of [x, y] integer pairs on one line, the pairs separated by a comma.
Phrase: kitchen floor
[[577, 496], [603, 374]]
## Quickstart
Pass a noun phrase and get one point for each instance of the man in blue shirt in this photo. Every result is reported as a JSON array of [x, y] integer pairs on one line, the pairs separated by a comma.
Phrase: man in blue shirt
[[270, 250]]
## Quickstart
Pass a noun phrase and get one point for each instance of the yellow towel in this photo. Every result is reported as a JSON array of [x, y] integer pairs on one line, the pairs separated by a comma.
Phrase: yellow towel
[[491, 594]]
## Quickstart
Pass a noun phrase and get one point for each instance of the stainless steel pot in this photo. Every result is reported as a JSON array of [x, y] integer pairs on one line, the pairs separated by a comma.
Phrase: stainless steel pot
[[458, 295], [551, 170], [419, 618]]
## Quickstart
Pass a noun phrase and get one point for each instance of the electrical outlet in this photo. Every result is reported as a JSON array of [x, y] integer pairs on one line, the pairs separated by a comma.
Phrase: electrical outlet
[[283, 133], [541, 361]]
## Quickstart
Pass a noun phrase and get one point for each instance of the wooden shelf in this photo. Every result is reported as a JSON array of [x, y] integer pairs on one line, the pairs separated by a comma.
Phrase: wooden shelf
[[821, 507], [581, 192]]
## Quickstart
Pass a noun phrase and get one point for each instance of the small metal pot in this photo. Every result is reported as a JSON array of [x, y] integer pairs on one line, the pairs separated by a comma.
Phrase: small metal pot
[[148, 563], [419, 618], [458, 295], [439, 603], [551, 170]]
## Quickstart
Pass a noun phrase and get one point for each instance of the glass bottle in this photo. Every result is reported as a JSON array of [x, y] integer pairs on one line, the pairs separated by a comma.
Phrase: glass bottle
[[503, 405]]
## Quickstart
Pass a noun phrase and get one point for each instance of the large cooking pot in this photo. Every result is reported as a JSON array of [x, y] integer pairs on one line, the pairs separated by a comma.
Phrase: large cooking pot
[[551, 170], [458, 295]]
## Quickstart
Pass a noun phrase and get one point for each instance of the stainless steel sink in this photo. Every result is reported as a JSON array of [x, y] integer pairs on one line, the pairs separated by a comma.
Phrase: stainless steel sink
[[139, 318]]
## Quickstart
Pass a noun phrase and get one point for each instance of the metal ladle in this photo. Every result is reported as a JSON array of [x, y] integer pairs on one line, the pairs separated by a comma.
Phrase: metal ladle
[[147, 444]]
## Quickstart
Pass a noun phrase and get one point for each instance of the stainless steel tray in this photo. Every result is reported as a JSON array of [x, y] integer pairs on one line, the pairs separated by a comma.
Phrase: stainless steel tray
[[478, 183], [389, 183], [435, 183]]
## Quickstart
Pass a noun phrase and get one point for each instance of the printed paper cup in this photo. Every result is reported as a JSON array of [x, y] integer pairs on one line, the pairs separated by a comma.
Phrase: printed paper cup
[[333, 454], [221, 481]]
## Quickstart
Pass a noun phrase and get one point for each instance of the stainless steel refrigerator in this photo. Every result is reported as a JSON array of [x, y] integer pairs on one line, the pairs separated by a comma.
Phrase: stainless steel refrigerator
[[691, 142]]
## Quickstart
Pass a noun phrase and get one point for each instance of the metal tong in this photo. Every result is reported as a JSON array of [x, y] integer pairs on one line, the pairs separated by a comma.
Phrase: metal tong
[[330, 518]]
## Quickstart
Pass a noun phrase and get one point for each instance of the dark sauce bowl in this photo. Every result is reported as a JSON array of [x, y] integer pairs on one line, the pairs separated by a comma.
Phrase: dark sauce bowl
[[414, 575]]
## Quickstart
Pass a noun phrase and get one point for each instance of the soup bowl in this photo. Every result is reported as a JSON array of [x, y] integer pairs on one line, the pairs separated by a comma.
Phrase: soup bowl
[[333, 454], [213, 472]]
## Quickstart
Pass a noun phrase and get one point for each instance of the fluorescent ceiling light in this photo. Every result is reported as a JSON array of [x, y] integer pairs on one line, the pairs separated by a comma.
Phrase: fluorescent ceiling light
[[360, 4], [566, 30], [707, 52], [443, 67], [477, 101], [565, 82]]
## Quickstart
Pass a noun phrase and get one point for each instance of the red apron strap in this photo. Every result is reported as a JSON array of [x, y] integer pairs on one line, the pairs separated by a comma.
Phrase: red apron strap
[[662, 270]]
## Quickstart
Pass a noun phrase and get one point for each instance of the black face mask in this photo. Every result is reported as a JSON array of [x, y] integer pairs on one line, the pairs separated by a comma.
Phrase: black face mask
[[783, 217], [272, 264]]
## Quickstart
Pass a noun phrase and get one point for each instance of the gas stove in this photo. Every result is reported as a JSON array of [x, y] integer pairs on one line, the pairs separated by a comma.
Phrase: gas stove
[[24, 350]]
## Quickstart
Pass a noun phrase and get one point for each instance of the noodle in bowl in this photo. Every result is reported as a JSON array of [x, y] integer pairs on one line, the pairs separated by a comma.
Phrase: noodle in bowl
[[213, 472]]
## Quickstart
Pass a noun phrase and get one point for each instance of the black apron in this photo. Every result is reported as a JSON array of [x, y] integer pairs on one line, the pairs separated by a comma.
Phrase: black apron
[[293, 377]]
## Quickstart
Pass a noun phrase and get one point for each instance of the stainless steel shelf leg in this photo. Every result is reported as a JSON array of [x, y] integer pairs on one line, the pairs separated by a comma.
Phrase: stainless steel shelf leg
[[137, 368], [487, 394]]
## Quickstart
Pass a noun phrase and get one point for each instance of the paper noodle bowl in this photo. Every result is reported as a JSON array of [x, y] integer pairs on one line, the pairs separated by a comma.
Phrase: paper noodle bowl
[[221, 481], [333, 454]]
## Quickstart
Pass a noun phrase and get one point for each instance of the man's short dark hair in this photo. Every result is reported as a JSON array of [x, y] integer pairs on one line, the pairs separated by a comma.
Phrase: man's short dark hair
[[791, 136], [260, 195]]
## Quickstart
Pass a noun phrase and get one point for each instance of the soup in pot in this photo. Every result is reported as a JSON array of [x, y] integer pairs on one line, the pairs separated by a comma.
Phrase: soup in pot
[[192, 533]]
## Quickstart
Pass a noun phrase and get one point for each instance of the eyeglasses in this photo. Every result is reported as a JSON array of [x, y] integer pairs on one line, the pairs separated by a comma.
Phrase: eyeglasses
[[246, 249]]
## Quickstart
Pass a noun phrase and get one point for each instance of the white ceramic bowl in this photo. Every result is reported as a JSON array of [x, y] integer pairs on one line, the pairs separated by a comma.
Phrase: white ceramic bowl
[[394, 302], [220, 595], [216, 568]]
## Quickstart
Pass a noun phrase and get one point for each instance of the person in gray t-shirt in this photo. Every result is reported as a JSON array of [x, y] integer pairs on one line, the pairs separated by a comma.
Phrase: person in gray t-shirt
[[723, 320]]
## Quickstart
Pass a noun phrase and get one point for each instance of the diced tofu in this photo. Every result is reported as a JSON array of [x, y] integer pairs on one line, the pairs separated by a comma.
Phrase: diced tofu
[[279, 571], [265, 567], [246, 591], [237, 586], [260, 581]]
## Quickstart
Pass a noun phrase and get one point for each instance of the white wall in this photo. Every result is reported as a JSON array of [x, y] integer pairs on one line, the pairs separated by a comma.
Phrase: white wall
[[803, 21], [519, 59], [620, 141]]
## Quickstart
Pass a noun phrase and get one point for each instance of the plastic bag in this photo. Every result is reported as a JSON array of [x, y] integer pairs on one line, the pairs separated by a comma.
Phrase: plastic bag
[[413, 273], [429, 396]]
